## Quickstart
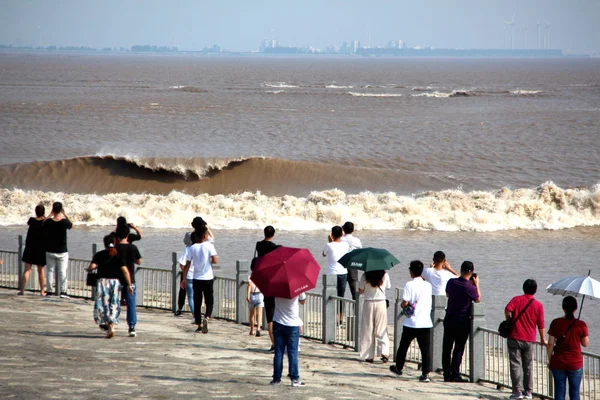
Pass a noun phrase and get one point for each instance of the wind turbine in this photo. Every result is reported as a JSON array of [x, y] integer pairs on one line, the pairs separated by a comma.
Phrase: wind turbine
[[525, 32], [547, 35], [537, 25], [511, 24]]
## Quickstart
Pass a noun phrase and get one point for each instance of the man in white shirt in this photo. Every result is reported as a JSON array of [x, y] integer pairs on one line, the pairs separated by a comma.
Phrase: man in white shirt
[[439, 273], [417, 293], [286, 334], [353, 243], [334, 250], [202, 255]]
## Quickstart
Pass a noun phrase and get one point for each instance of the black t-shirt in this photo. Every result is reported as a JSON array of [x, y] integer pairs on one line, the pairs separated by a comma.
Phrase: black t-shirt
[[109, 267], [265, 247], [133, 237], [56, 235], [129, 253], [35, 234]]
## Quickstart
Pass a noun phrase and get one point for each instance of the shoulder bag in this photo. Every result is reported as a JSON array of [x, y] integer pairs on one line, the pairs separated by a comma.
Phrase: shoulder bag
[[506, 326]]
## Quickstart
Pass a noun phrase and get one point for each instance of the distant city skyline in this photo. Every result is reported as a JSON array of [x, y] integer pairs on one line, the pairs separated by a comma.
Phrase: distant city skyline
[[241, 26]]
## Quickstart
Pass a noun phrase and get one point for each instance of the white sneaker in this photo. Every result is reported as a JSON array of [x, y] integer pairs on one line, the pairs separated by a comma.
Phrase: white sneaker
[[298, 383], [516, 396]]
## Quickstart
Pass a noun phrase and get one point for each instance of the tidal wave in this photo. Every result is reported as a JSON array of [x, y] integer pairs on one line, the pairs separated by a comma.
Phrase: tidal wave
[[545, 207]]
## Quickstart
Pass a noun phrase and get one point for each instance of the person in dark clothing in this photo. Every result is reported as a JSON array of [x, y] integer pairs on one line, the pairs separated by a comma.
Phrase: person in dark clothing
[[57, 255], [112, 275], [263, 247], [131, 256], [461, 293], [35, 252], [131, 237]]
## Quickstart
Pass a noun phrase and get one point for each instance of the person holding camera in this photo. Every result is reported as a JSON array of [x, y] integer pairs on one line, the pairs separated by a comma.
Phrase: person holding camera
[[461, 293], [57, 255], [131, 237], [418, 324]]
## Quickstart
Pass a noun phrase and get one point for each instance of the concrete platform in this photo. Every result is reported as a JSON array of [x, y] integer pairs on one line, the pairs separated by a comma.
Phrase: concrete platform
[[51, 349]]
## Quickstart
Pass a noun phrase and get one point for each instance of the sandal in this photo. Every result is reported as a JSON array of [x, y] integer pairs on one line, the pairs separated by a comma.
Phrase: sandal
[[384, 359]]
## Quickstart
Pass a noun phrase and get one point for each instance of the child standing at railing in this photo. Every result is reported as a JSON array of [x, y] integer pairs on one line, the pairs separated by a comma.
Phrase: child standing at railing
[[256, 303]]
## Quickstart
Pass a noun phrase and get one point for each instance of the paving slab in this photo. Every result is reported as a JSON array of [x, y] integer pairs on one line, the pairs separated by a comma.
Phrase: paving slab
[[51, 349]]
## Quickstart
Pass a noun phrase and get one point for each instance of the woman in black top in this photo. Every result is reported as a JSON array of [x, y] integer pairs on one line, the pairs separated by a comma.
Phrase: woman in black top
[[35, 252], [112, 274]]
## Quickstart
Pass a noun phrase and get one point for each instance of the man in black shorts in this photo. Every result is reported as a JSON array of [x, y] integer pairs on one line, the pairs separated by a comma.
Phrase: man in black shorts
[[263, 247]]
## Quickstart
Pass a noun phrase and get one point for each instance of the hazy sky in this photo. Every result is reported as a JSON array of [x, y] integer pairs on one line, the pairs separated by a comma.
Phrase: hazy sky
[[240, 25]]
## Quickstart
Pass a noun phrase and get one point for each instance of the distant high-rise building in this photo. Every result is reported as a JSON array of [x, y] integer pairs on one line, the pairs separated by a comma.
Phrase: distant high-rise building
[[268, 44], [395, 44], [355, 46]]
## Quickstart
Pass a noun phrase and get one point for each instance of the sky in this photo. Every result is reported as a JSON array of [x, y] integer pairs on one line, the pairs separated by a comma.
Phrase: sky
[[240, 25]]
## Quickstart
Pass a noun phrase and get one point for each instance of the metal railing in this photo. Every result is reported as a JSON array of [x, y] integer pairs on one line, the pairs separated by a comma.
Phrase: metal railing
[[346, 328], [76, 278], [312, 316], [9, 270], [225, 299], [154, 288]]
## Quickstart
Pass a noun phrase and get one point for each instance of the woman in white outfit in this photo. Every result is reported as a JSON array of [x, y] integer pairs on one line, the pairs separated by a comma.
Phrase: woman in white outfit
[[374, 338]]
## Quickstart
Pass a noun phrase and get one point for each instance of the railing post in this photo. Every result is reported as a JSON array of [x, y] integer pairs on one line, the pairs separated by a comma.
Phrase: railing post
[[397, 325], [242, 267], [328, 315], [218, 293], [476, 343], [94, 251], [20, 263], [358, 301], [139, 285], [438, 312], [174, 280]]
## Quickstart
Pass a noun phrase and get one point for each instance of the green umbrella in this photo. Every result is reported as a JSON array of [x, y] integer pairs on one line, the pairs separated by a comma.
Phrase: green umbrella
[[369, 259]]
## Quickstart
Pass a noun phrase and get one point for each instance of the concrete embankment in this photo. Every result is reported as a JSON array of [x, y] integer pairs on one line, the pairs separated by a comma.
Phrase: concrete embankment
[[51, 349]]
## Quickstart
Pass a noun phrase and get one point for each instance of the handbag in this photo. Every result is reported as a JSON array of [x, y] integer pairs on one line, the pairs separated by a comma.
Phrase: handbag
[[92, 278], [387, 302], [506, 326], [254, 259]]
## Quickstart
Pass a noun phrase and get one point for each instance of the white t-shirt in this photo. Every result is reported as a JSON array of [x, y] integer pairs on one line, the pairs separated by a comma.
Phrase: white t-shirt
[[287, 311], [374, 293], [183, 260], [200, 255], [418, 291], [438, 279], [334, 251], [352, 241]]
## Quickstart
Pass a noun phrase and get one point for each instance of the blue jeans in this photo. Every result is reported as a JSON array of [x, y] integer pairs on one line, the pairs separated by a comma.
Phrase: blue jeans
[[341, 284], [189, 289], [285, 336], [131, 314], [560, 383]]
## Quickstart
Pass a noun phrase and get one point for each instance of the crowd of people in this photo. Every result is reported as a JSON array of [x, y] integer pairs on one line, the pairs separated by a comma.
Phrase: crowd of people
[[46, 245]]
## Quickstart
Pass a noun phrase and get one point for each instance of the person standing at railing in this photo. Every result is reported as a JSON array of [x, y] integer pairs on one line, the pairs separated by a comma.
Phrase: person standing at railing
[[461, 292], [202, 254], [132, 237], [57, 255], [334, 250], [439, 273], [565, 338], [374, 338], [353, 243], [526, 313], [131, 256], [188, 288], [416, 305], [263, 247], [35, 253], [112, 274]]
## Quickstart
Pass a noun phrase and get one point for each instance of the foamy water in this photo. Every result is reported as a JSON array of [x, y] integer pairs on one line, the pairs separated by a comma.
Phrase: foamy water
[[545, 207]]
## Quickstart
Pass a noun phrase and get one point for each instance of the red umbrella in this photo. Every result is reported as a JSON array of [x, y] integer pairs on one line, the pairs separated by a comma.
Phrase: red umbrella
[[286, 272]]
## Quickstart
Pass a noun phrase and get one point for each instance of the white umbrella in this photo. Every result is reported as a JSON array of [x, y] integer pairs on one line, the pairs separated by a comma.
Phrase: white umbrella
[[576, 286]]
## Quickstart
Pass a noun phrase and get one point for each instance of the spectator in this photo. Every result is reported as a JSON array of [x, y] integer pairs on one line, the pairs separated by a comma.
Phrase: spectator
[[374, 338], [353, 243], [334, 250], [565, 338], [57, 255], [461, 292], [439, 273], [417, 324], [131, 237], [188, 288], [256, 303], [263, 247], [35, 252], [526, 313], [131, 256]]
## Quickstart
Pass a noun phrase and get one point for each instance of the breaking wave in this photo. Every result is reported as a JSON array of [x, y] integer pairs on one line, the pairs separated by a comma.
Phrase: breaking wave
[[279, 85], [374, 94], [545, 207], [436, 94]]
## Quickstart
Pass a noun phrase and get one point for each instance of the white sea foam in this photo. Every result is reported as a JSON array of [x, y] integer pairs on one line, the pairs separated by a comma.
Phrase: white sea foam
[[374, 94], [275, 91], [338, 87], [432, 94], [524, 92], [545, 207], [176, 87], [279, 85]]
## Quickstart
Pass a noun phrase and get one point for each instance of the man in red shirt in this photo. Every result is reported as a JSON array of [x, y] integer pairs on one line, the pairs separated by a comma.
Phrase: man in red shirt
[[526, 313]]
